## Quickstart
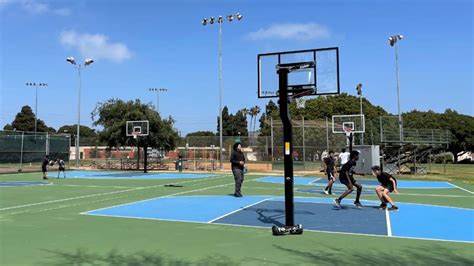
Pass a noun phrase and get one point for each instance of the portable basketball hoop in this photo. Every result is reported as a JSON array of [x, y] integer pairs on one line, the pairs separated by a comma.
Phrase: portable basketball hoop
[[300, 73]]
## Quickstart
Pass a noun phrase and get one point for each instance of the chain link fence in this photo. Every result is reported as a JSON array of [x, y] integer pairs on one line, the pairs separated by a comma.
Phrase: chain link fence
[[24, 151]]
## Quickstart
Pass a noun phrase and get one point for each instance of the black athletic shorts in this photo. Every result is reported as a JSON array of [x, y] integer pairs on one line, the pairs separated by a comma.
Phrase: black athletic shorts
[[389, 187], [329, 174], [61, 169], [44, 169], [345, 181]]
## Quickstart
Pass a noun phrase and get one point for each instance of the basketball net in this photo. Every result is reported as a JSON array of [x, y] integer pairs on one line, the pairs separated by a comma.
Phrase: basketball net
[[135, 135], [348, 131], [300, 102]]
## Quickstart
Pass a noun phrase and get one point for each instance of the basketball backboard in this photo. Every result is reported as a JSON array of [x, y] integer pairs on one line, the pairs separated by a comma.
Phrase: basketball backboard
[[348, 123], [322, 76], [138, 128]]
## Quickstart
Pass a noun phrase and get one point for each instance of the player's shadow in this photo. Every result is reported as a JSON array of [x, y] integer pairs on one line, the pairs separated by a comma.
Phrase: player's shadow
[[274, 216]]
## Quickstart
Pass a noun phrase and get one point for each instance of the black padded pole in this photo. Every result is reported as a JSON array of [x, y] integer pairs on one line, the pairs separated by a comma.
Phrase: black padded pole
[[287, 146]]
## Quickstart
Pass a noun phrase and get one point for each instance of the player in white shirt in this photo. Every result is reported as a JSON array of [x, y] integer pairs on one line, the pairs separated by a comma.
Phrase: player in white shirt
[[344, 157]]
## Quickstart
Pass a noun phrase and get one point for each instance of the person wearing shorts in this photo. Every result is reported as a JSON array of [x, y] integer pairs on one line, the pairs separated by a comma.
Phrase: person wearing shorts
[[44, 167], [62, 167], [237, 160], [329, 169], [388, 184], [346, 177]]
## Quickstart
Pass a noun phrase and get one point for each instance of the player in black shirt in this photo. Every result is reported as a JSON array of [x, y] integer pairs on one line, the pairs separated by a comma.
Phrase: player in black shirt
[[44, 167], [330, 167], [237, 160], [346, 177], [388, 184]]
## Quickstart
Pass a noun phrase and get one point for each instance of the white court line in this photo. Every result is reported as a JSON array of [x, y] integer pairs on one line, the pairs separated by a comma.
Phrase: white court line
[[267, 228], [95, 186], [461, 188], [239, 209], [389, 225], [166, 196], [93, 195], [315, 180]]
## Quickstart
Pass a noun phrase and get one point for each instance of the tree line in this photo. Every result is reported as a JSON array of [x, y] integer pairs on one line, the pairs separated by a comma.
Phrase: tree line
[[111, 116]]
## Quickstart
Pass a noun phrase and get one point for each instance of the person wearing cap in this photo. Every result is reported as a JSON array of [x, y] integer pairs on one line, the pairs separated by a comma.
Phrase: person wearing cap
[[237, 160]]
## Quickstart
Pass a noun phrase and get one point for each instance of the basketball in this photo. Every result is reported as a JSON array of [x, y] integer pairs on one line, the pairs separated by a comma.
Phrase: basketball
[[51, 162]]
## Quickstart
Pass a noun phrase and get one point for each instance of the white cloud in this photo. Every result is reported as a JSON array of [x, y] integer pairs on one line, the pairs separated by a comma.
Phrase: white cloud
[[291, 31], [95, 46], [37, 7]]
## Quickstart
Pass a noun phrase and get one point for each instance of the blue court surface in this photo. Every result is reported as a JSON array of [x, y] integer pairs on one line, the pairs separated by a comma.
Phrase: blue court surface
[[126, 175], [318, 214], [22, 183], [335, 190], [364, 182]]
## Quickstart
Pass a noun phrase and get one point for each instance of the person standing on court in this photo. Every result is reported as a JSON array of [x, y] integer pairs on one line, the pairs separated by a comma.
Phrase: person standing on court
[[346, 177], [343, 157], [329, 169], [62, 167], [237, 160], [44, 167]]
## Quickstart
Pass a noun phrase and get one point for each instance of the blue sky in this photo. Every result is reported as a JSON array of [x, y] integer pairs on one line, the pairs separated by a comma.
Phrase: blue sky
[[141, 44]]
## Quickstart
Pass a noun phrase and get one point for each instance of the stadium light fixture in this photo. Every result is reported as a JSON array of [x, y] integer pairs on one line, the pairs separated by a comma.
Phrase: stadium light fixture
[[158, 90], [79, 67], [36, 85], [221, 21], [71, 60], [88, 61]]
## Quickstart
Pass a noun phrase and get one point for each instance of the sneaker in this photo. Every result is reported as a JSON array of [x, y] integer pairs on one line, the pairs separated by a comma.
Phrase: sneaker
[[326, 192], [239, 195], [330, 193], [337, 202], [383, 206], [358, 204], [393, 208]]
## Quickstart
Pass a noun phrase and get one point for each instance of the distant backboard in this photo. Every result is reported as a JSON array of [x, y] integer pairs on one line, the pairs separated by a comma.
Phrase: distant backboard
[[348, 123], [323, 76], [138, 128]]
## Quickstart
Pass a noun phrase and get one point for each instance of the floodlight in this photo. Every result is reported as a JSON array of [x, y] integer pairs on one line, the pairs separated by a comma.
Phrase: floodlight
[[359, 89], [71, 60], [88, 61], [211, 20], [239, 16], [220, 19], [230, 18], [400, 36], [204, 21]]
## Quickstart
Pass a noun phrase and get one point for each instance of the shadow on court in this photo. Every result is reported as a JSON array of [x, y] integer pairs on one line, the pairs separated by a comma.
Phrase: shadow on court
[[84, 257], [419, 255]]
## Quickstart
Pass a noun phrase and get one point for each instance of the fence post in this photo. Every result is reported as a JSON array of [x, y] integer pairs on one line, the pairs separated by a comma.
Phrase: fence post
[[304, 147], [21, 151], [271, 134], [47, 144], [381, 130], [327, 134]]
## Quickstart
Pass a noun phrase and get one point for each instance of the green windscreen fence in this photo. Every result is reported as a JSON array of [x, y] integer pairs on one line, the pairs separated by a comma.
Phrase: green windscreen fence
[[26, 150]]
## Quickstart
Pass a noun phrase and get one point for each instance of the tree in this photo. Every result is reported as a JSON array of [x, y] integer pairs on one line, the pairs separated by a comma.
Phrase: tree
[[201, 134], [271, 112], [25, 121], [233, 124], [88, 136], [113, 114]]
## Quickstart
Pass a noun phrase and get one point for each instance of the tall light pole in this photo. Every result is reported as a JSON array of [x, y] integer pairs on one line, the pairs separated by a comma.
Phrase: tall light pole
[[36, 85], [220, 21], [79, 67], [157, 90], [392, 40], [359, 92]]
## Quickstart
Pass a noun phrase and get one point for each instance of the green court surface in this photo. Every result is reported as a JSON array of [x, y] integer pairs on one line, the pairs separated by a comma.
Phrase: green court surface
[[43, 225]]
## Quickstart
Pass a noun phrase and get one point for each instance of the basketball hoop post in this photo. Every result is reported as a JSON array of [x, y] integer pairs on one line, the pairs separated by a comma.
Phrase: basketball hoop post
[[288, 146]]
